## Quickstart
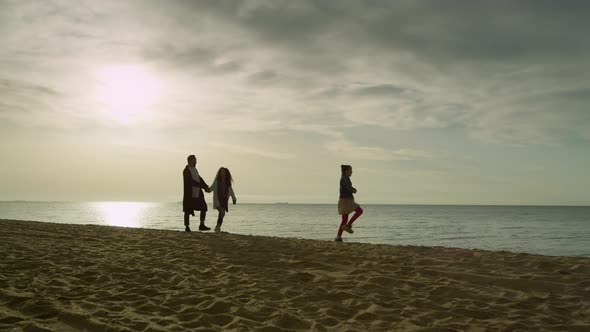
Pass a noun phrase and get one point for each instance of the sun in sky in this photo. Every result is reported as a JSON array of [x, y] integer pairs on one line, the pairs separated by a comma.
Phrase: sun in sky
[[126, 93]]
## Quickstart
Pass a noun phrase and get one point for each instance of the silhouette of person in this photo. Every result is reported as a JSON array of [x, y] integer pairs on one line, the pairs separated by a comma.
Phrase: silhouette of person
[[346, 203], [222, 191], [193, 198]]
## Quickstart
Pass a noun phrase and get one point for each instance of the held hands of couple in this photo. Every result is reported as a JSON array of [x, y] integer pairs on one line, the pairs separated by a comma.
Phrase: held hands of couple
[[208, 190]]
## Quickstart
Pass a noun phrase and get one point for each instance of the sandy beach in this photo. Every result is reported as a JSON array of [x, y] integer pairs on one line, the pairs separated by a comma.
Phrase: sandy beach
[[57, 277]]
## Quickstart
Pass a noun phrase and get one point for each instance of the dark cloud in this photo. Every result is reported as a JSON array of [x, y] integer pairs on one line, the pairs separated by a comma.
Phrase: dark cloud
[[26, 103], [12, 87], [453, 30], [282, 22], [582, 94], [263, 77], [482, 30], [228, 67], [180, 56], [380, 90]]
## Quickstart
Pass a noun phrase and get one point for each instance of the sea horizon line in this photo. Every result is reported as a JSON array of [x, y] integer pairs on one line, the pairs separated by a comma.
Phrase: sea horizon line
[[304, 203]]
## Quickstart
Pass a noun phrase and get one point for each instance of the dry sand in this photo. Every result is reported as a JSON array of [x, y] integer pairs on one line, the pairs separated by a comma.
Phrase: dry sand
[[56, 277]]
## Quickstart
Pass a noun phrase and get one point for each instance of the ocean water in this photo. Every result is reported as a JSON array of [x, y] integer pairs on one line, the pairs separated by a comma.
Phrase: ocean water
[[547, 230]]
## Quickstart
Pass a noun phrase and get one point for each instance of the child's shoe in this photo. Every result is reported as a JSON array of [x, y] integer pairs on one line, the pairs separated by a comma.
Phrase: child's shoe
[[217, 229], [347, 228], [338, 239]]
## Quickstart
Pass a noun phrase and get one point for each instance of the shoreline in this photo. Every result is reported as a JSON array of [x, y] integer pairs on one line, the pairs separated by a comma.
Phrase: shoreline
[[70, 276], [349, 240]]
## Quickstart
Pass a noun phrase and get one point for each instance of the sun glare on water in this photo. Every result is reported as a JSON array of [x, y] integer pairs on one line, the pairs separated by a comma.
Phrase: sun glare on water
[[126, 93], [126, 214]]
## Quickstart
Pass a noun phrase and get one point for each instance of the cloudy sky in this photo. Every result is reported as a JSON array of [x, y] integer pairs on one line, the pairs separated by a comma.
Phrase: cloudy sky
[[431, 102]]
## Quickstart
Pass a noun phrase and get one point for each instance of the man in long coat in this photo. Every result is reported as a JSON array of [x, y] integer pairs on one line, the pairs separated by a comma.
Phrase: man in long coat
[[193, 197]]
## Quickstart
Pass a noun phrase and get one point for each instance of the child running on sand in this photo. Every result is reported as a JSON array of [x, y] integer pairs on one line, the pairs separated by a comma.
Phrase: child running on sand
[[222, 190], [346, 203]]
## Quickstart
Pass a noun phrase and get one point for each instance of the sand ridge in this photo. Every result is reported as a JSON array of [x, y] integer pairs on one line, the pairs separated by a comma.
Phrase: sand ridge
[[57, 277]]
